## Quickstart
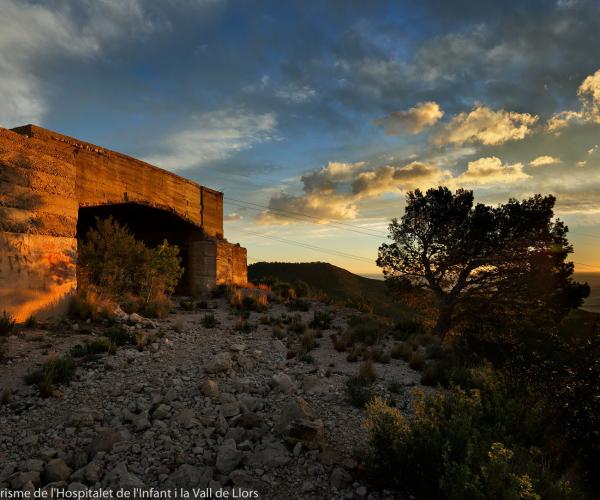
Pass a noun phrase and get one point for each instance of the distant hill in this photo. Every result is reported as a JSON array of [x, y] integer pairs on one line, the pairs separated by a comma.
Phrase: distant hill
[[334, 281]]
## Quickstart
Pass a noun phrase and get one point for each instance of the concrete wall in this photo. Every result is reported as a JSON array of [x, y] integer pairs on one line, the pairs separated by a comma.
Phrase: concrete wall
[[45, 177], [38, 217]]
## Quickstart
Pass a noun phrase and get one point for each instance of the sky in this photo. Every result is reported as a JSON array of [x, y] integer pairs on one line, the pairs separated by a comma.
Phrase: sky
[[315, 118]]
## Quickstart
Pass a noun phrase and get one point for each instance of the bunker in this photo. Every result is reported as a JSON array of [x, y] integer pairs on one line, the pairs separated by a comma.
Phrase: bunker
[[52, 187]]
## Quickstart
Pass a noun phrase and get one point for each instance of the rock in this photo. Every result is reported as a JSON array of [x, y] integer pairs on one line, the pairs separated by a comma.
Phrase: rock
[[7, 471], [220, 362], [121, 478], [274, 455], [230, 409], [250, 404], [135, 318], [245, 481], [249, 420], [161, 412], [186, 418], [75, 486], [340, 478], [361, 491], [311, 384], [210, 388], [188, 477], [283, 382], [57, 470], [93, 472], [104, 441], [237, 347], [34, 465], [228, 457], [22, 479], [140, 422], [298, 422], [307, 486]]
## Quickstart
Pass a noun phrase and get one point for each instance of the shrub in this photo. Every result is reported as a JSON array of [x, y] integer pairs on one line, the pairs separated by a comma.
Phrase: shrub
[[400, 351], [299, 305], [302, 288], [367, 372], [202, 304], [120, 336], [3, 347], [242, 325], [209, 321], [112, 260], [89, 349], [257, 304], [31, 321], [220, 291], [296, 325], [407, 327], [308, 341], [278, 332], [457, 445], [57, 370], [179, 325], [187, 304], [87, 303], [417, 361], [365, 329], [429, 376], [7, 324], [358, 391], [321, 320]]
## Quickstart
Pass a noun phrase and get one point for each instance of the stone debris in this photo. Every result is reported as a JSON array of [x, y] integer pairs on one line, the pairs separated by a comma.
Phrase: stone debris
[[188, 414]]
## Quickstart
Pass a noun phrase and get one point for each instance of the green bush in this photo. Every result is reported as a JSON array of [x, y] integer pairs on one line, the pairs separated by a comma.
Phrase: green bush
[[308, 341], [407, 327], [243, 325], [321, 320], [460, 445], [7, 324], [365, 329], [111, 260], [209, 321], [119, 336], [299, 305], [187, 304], [57, 370], [358, 391]]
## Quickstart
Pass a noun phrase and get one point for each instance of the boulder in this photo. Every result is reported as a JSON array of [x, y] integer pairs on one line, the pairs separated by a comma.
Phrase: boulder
[[57, 470], [220, 362], [298, 422], [121, 478], [340, 478], [104, 441], [283, 382], [210, 388], [228, 457], [188, 476]]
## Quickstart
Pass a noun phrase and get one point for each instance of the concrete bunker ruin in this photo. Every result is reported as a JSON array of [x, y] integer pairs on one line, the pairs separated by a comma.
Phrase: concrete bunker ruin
[[52, 188]]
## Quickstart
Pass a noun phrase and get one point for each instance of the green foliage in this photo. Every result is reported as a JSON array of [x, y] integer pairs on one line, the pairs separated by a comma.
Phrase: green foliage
[[322, 320], [407, 327], [209, 321], [90, 349], [120, 336], [31, 321], [112, 261], [449, 450], [302, 288], [308, 341], [187, 304], [365, 329], [3, 347], [7, 324], [243, 326], [358, 392], [299, 305], [57, 370], [514, 253]]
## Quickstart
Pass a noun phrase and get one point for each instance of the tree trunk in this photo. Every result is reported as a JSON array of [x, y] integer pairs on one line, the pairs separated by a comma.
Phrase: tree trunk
[[444, 319]]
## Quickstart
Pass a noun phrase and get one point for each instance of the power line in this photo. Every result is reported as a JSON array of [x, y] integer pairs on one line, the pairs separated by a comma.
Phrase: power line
[[298, 215], [311, 247]]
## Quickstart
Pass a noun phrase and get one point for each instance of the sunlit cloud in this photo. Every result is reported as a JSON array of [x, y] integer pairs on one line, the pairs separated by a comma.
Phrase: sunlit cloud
[[486, 126], [413, 120], [541, 161]]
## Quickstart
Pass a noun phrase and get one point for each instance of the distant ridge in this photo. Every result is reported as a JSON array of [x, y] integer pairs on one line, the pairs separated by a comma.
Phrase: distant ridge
[[336, 282]]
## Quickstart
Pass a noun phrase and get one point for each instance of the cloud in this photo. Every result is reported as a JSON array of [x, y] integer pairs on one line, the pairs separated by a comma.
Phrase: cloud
[[388, 179], [544, 160], [589, 98], [413, 120], [335, 190], [296, 93], [490, 171], [233, 217], [486, 126], [212, 137], [32, 34]]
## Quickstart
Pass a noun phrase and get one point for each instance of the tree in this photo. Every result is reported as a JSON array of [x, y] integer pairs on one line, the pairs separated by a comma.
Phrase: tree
[[513, 254]]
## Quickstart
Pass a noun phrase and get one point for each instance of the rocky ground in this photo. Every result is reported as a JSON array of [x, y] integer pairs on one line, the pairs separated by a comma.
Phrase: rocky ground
[[197, 408]]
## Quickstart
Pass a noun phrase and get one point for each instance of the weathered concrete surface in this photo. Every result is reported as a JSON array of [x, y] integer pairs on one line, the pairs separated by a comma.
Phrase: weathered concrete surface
[[46, 177]]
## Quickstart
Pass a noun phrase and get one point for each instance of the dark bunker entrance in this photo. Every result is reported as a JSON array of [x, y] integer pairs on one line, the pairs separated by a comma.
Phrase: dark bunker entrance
[[149, 225]]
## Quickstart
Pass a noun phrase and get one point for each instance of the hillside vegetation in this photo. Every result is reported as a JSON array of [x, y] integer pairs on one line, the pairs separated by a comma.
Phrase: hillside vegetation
[[337, 283]]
